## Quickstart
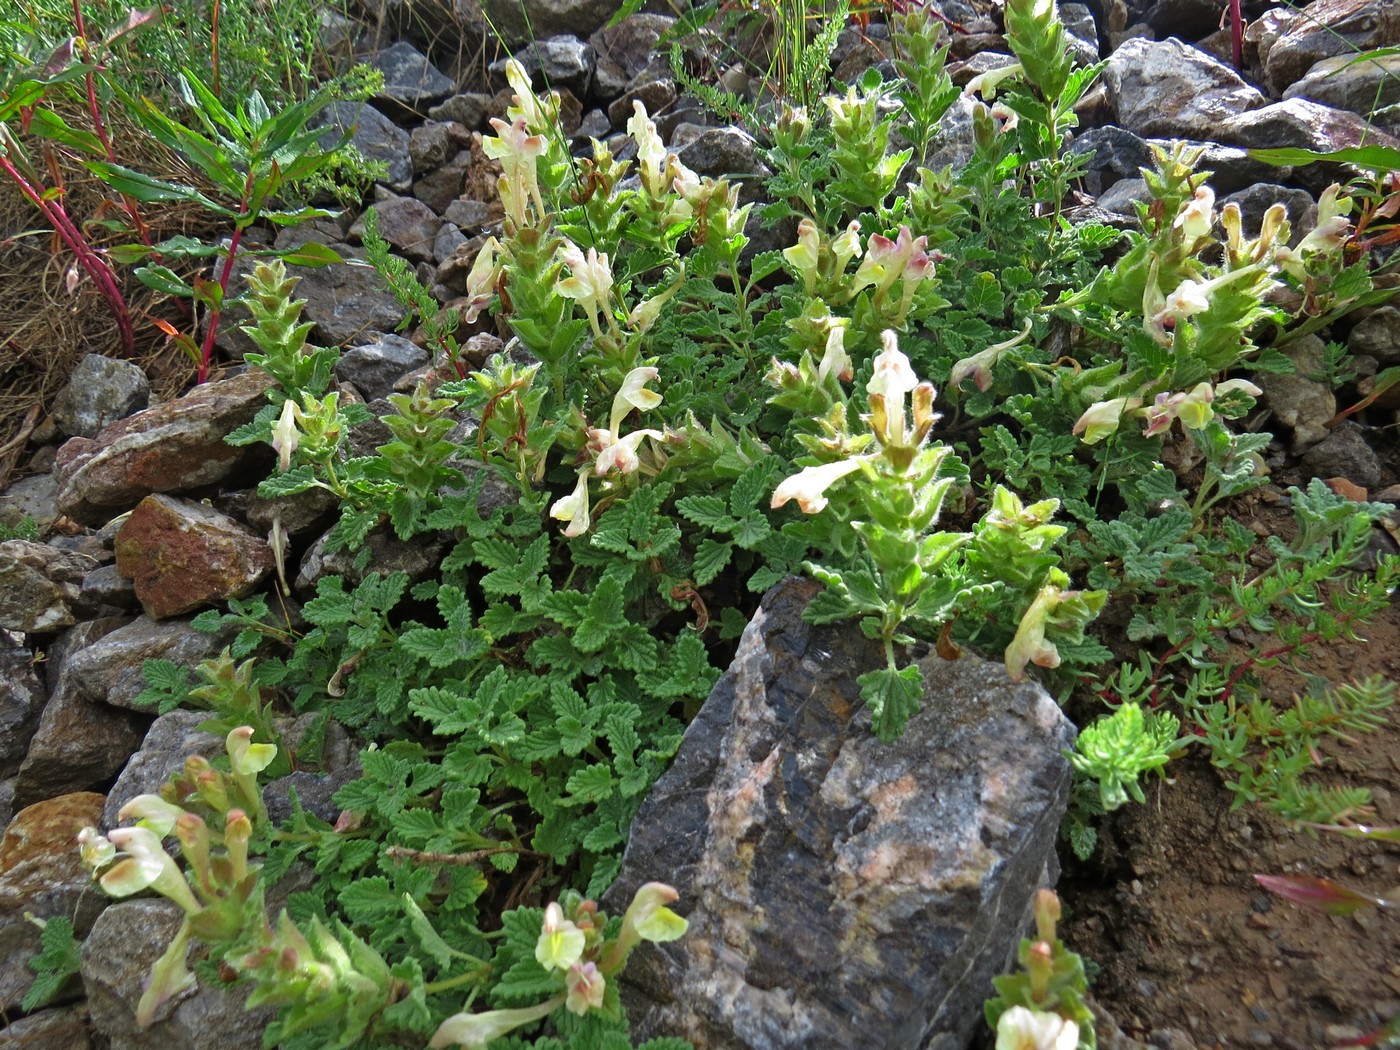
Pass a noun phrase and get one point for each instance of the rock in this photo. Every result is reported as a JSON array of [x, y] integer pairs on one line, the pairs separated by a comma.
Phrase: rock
[[952, 142], [557, 62], [125, 942], [298, 513], [723, 151], [624, 50], [375, 367], [22, 698], [183, 555], [429, 146], [1344, 453], [655, 94], [449, 238], [39, 584], [374, 135], [171, 447], [1123, 197], [108, 670], [171, 739], [1327, 29], [411, 82], [469, 110], [546, 18], [441, 187], [964, 73], [40, 873], [407, 224], [1186, 19], [1114, 154], [1172, 89], [347, 301], [64, 1028], [842, 892], [418, 557], [468, 214], [1298, 402], [1378, 334], [100, 391], [40, 870], [1297, 122], [80, 744], [105, 586], [1345, 83], [31, 498], [1231, 168]]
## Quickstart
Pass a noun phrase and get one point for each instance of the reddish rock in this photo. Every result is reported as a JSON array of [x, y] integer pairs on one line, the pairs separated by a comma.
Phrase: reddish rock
[[173, 447], [182, 555], [39, 852]]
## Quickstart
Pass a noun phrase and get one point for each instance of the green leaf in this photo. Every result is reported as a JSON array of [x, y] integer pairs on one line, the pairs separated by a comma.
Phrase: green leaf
[[711, 556], [312, 253], [709, 511], [893, 696], [288, 482], [593, 783], [1373, 158]]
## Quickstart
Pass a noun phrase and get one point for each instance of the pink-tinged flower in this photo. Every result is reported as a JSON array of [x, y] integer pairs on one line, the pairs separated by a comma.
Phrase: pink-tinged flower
[[590, 283], [979, 366], [573, 508], [1022, 1029], [475, 1031], [656, 169], [561, 943], [153, 812], [284, 434], [245, 757], [144, 864], [1197, 216], [886, 261], [586, 986], [1237, 386], [1101, 418], [481, 281], [634, 394], [527, 104], [519, 152], [1029, 645], [805, 255], [619, 454], [809, 486]]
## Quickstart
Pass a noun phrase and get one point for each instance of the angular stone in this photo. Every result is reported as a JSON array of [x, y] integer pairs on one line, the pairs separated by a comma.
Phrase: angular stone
[[171, 447], [105, 586], [546, 18], [39, 585], [447, 241], [842, 892], [1345, 83], [79, 745], [1327, 29], [410, 80], [22, 698], [429, 146], [418, 557], [100, 391], [630, 46], [469, 110], [347, 301], [655, 93], [63, 1028], [125, 942], [39, 864], [1299, 123], [172, 738], [108, 669], [375, 367], [374, 135], [31, 498], [562, 61], [1345, 453], [722, 151], [1172, 89], [183, 556], [1299, 403], [1378, 334], [407, 224]]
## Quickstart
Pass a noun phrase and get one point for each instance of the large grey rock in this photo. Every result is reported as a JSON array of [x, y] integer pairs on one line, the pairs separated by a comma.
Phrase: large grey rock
[[63, 1028], [1345, 453], [624, 50], [375, 367], [1326, 29], [347, 301], [32, 498], [842, 892], [125, 941], [171, 447], [429, 146], [408, 225], [100, 391], [418, 557], [1297, 122], [1169, 88], [557, 62], [1378, 334], [39, 585], [1344, 82], [374, 135], [516, 25], [411, 82], [109, 669]]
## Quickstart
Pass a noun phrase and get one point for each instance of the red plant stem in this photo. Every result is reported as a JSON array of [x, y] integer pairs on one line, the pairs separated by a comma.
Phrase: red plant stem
[[1237, 35], [100, 129], [206, 352], [214, 43], [90, 261]]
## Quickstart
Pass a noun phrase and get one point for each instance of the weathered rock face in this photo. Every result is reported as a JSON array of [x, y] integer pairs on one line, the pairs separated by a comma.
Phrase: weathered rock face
[[183, 555], [841, 892], [172, 447], [100, 391], [1170, 88], [22, 698], [1326, 29], [39, 585]]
